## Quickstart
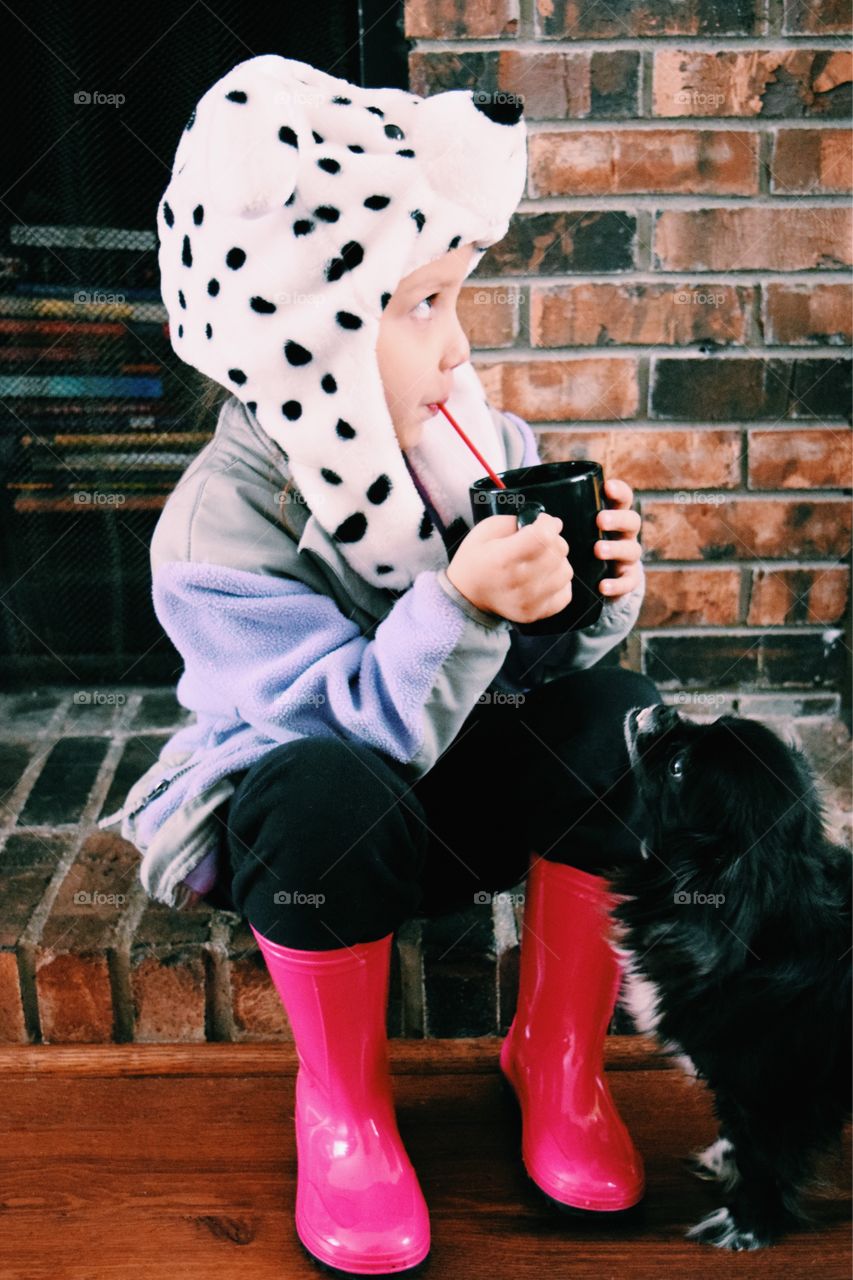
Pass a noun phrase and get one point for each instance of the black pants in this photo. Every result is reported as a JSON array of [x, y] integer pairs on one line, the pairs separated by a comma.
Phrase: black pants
[[327, 843]]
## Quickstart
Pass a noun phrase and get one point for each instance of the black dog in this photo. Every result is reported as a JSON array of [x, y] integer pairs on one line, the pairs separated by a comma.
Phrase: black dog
[[736, 933]]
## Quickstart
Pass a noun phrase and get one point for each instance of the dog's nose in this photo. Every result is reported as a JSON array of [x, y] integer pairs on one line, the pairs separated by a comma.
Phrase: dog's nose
[[656, 716]]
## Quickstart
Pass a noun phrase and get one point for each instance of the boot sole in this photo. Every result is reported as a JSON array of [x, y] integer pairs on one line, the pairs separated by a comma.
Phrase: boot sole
[[331, 1270], [616, 1217]]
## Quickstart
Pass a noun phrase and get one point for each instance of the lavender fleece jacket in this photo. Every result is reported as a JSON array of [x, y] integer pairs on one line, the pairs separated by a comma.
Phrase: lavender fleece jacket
[[282, 640]]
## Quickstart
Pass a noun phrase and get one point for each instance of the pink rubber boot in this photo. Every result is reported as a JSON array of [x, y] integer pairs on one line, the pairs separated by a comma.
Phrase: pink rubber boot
[[359, 1205], [575, 1145]]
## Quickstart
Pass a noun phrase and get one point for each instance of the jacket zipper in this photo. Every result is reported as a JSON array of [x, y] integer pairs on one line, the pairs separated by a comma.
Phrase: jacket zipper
[[158, 790]]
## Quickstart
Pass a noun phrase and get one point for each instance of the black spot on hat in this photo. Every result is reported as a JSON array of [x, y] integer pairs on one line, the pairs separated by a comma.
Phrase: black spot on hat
[[198, 215], [379, 490], [342, 102], [328, 383], [237, 95], [292, 409], [377, 111], [235, 258], [180, 330], [189, 124], [407, 152], [353, 146], [296, 354], [331, 476], [237, 375], [208, 330], [327, 213], [352, 529], [385, 568], [386, 298], [213, 287], [425, 526], [262, 306], [328, 165], [168, 216], [317, 138], [181, 299], [344, 430], [393, 131], [287, 135], [187, 253], [377, 202], [351, 256], [419, 219], [303, 227], [290, 199], [454, 243], [251, 405], [347, 320]]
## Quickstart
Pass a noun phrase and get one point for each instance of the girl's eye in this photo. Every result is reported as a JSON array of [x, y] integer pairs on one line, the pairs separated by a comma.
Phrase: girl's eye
[[423, 300], [676, 766]]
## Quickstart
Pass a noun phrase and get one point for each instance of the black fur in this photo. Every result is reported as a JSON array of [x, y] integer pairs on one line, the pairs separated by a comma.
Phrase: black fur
[[754, 986]]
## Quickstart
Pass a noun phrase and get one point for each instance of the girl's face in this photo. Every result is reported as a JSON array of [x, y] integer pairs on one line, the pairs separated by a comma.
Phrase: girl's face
[[421, 341]]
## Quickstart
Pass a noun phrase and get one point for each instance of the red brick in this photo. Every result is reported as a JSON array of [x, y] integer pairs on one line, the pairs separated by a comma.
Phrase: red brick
[[817, 17], [783, 596], [576, 20], [555, 243], [600, 315], [744, 528], [72, 965], [556, 84], [652, 459], [489, 314], [807, 313], [812, 160], [551, 390], [690, 597], [748, 82], [257, 1009], [448, 20], [622, 161], [806, 459], [797, 239], [167, 973], [13, 1028]]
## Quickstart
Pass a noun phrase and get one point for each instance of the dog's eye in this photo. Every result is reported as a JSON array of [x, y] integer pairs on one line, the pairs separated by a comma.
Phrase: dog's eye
[[676, 765]]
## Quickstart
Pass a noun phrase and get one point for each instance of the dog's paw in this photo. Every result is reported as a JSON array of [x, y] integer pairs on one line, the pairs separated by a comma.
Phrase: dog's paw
[[715, 1164], [719, 1228]]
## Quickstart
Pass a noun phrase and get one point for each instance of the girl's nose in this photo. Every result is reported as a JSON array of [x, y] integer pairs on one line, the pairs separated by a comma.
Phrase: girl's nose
[[458, 351]]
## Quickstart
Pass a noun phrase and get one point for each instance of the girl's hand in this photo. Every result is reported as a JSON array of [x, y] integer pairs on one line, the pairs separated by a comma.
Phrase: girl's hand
[[625, 549]]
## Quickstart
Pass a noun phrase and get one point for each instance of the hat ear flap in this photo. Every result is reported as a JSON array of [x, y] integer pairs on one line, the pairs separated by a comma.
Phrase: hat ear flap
[[252, 146]]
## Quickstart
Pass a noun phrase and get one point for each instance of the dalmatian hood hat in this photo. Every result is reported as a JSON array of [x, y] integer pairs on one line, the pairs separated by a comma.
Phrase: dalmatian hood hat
[[297, 203]]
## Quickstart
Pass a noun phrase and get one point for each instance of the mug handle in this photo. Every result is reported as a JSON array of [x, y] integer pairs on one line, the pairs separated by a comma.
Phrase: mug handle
[[529, 512]]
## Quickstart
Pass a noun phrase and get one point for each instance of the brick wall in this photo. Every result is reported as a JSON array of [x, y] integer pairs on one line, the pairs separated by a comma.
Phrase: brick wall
[[673, 299]]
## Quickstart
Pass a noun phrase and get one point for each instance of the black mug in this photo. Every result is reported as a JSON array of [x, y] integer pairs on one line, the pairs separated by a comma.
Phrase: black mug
[[574, 492]]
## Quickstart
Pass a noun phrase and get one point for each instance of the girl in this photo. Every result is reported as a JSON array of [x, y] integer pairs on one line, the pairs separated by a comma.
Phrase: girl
[[360, 691]]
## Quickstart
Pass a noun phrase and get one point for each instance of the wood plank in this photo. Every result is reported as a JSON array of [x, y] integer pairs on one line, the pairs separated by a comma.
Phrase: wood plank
[[160, 1168]]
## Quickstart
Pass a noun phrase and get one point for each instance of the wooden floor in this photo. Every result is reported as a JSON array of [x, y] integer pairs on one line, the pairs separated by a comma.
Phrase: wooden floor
[[133, 1162]]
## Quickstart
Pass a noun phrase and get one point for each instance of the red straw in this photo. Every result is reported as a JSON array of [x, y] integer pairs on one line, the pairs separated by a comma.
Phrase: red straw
[[472, 447]]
